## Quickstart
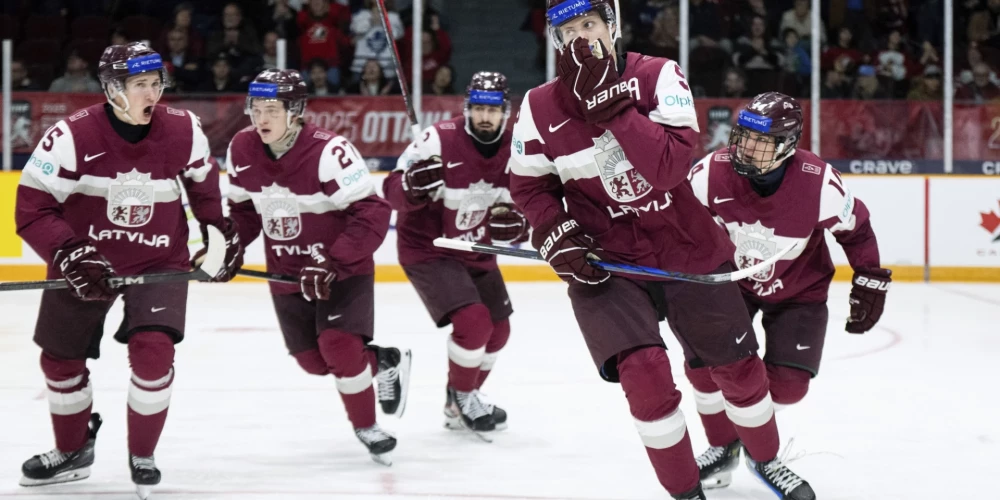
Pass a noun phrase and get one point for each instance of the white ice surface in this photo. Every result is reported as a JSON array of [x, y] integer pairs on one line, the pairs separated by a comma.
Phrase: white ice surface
[[907, 411]]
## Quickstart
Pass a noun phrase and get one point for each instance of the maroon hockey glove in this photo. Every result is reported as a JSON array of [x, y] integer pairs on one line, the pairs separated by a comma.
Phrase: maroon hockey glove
[[593, 82], [234, 251], [508, 224], [564, 246], [315, 278], [85, 270], [423, 178], [867, 298]]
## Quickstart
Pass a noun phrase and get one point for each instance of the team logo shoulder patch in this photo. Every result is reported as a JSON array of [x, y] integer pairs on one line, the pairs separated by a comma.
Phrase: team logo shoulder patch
[[447, 126], [79, 114], [722, 157], [175, 111], [323, 136], [279, 211], [131, 199], [812, 169], [476, 203], [755, 244], [620, 179]]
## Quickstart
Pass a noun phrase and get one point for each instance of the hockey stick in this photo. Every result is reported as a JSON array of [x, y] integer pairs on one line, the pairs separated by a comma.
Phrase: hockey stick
[[711, 279], [403, 88], [278, 278], [214, 261]]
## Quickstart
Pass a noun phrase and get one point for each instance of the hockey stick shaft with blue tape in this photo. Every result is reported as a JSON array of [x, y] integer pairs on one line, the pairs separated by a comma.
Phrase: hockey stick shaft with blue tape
[[612, 267]]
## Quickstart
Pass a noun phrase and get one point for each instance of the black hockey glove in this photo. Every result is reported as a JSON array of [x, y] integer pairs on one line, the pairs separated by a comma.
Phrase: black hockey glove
[[508, 224], [315, 278], [85, 270], [234, 251], [867, 298], [564, 246], [423, 178], [593, 81]]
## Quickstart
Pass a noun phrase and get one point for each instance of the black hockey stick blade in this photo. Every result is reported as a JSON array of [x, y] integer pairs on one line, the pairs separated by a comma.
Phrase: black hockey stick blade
[[214, 261], [278, 278], [710, 279]]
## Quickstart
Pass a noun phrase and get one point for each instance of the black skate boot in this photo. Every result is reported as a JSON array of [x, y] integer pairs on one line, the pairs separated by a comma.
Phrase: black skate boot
[[695, 494], [57, 467], [393, 379], [786, 484], [145, 475], [466, 410], [499, 414], [716, 465], [378, 442]]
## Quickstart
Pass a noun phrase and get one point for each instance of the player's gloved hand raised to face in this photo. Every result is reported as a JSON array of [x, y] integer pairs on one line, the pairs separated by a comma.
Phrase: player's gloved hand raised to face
[[867, 298], [508, 224], [315, 278], [422, 179], [564, 246], [234, 251], [593, 81], [86, 270]]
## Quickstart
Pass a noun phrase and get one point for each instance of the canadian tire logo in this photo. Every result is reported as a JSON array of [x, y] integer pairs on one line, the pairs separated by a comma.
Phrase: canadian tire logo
[[990, 221]]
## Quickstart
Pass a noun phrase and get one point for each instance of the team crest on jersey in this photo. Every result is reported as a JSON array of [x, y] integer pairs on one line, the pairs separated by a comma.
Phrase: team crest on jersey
[[475, 205], [755, 244], [621, 180], [279, 211], [131, 199]]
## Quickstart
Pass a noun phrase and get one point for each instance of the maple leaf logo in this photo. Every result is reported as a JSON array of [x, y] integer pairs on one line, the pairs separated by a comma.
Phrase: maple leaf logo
[[990, 222]]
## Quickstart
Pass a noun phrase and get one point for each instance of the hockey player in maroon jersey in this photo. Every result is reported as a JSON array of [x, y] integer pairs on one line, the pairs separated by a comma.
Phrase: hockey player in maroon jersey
[[309, 191], [599, 166], [771, 195], [452, 181], [101, 196]]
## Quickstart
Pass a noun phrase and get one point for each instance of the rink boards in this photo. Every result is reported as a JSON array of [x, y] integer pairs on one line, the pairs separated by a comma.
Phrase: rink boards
[[945, 228]]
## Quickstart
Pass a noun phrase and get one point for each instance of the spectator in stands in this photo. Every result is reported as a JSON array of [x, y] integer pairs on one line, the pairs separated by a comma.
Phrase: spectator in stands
[[706, 26], [867, 86], [271, 50], [664, 40], [369, 39], [118, 36], [76, 78], [19, 77], [744, 14], [891, 62], [981, 89], [318, 84], [222, 78], [928, 87], [892, 16], [735, 84], [440, 54], [444, 81], [182, 22], [322, 35], [434, 56], [796, 56], [843, 50], [973, 57], [835, 86], [929, 54], [757, 52], [184, 68], [798, 18], [239, 41], [284, 19], [373, 82]]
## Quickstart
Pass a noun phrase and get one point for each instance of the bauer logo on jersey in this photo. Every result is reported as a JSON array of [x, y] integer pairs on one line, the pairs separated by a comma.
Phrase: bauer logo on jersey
[[279, 211], [476, 203], [131, 198], [755, 244], [622, 181]]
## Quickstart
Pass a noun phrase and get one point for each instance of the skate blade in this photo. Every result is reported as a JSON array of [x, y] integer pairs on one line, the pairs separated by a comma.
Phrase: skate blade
[[717, 480], [404, 381], [143, 491], [383, 459], [456, 424], [64, 477]]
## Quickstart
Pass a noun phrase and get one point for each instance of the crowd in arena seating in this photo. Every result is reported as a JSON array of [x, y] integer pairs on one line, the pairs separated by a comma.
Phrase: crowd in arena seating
[[212, 46]]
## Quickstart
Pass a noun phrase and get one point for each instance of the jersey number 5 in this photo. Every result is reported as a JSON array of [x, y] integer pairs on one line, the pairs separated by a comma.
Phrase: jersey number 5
[[50, 138]]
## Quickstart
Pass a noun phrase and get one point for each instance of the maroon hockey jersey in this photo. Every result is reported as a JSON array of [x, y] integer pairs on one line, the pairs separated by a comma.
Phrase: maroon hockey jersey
[[811, 199], [319, 194], [625, 182], [84, 180], [460, 208]]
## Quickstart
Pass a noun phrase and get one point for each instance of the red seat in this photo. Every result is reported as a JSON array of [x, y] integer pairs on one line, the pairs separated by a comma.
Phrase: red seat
[[48, 27], [39, 52], [92, 27]]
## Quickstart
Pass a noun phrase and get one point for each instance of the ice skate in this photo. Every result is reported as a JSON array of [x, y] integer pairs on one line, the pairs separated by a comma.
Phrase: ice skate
[[57, 467], [499, 414], [695, 494], [145, 475], [786, 484], [393, 379], [716, 465], [464, 410], [378, 442]]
